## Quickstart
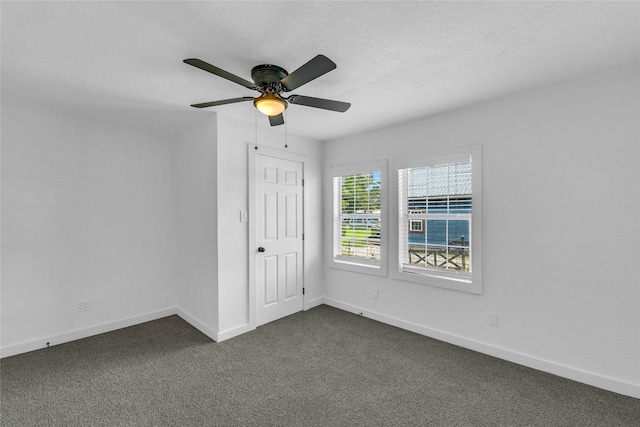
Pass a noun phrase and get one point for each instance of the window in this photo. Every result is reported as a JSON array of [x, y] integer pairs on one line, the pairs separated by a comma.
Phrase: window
[[358, 226], [415, 226], [439, 220]]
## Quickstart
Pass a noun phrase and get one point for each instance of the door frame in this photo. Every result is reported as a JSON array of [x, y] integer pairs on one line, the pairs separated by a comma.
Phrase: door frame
[[254, 150]]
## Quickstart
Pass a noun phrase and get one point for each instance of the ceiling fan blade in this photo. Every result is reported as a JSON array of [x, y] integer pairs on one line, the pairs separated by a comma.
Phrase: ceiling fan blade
[[219, 72], [325, 104], [222, 102], [276, 120], [311, 70]]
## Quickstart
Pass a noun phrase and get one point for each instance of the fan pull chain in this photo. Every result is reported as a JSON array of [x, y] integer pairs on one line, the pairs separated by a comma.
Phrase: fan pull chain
[[286, 132], [255, 125]]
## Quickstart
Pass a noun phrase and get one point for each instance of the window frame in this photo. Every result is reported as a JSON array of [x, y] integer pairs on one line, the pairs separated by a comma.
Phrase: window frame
[[466, 282], [355, 264]]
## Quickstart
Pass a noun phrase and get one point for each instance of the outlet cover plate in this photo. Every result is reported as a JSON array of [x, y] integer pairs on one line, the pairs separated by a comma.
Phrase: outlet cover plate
[[83, 305], [493, 319]]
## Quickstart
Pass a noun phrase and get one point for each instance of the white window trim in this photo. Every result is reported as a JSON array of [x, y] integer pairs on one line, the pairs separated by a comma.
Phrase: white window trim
[[472, 282], [351, 264]]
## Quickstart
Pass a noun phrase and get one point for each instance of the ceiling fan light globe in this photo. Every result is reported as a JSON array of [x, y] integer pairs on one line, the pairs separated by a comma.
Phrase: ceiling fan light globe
[[270, 105]]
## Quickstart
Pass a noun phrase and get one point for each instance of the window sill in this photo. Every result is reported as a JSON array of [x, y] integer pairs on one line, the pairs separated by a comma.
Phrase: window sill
[[457, 282], [364, 266]]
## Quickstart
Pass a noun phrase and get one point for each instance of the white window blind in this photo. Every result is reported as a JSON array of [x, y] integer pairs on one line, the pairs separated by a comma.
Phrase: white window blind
[[357, 220]]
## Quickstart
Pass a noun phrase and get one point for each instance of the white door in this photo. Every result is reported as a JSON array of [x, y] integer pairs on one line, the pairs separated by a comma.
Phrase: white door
[[279, 245]]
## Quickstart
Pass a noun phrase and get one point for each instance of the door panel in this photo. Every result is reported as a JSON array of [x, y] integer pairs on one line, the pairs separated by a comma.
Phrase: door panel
[[279, 268], [270, 280], [270, 175], [291, 275], [270, 216], [291, 214], [291, 177]]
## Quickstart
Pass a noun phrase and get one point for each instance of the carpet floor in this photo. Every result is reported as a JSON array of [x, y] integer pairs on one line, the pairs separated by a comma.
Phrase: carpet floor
[[323, 367]]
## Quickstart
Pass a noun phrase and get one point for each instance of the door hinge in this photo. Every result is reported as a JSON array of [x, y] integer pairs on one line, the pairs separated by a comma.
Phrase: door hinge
[[302, 291], [303, 182], [302, 236]]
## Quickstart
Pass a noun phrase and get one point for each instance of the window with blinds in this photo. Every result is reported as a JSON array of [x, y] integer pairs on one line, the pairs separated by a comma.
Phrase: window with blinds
[[357, 219], [435, 208]]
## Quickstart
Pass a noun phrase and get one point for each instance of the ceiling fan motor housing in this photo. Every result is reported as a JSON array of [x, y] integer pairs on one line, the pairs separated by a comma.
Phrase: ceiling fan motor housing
[[267, 78]]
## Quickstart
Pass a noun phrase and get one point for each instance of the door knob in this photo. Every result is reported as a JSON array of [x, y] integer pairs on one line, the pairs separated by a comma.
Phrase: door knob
[[260, 249]]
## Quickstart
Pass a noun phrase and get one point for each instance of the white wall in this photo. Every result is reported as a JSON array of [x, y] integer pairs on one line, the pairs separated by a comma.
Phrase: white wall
[[144, 224], [561, 232], [88, 212], [234, 136], [196, 211]]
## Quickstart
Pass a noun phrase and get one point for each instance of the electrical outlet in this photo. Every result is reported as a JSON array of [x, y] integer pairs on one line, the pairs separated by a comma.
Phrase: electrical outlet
[[374, 293], [83, 305], [493, 319]]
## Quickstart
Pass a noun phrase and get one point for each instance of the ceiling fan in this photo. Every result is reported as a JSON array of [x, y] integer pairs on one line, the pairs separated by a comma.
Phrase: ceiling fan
[[271, 81]]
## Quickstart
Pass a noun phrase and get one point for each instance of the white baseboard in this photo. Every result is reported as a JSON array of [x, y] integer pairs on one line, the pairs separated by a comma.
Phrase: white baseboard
[[210, 332], [606, 383], [197, 323], [234, 332], [40, 343], [313, 303]]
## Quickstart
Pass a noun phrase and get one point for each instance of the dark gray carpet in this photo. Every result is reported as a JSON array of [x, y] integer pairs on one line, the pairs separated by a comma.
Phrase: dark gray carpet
[[324, 367]]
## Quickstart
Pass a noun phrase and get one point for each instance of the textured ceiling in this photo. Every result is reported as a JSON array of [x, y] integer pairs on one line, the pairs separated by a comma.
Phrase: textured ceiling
[[397, 61]]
